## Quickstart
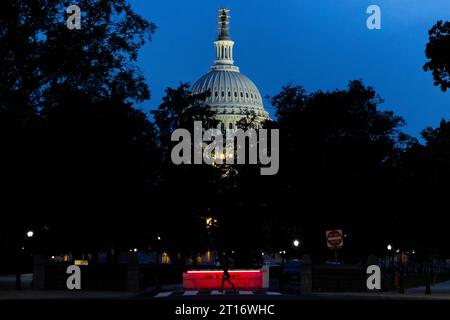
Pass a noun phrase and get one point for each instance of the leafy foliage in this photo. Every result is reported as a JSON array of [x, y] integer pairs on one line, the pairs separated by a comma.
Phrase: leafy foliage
[[438, 54], [69, 137]]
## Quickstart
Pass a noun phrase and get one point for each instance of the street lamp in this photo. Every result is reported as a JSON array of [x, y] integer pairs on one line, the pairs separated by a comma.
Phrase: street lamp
[[390, 256], [29, 235], [296, 243]]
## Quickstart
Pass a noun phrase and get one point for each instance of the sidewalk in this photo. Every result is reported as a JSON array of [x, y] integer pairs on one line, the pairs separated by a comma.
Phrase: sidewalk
[[439, 291], [442, 288], [65, 295], [8, 291]]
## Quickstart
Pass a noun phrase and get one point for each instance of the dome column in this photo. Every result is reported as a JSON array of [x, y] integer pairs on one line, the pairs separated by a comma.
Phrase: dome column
[[224, 52]]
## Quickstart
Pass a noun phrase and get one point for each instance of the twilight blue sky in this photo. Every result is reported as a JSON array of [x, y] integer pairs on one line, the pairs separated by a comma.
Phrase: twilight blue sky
[[320, 44]]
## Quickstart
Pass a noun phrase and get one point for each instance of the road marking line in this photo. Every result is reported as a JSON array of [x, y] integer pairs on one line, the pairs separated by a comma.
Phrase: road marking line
[[245, 292], [271, 293], [163, 294], [190, 293], [216, 292]]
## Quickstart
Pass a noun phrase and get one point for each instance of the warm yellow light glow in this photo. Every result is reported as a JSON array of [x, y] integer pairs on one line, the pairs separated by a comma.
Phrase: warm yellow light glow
[[81, 262], [165, 259], [210, 222]]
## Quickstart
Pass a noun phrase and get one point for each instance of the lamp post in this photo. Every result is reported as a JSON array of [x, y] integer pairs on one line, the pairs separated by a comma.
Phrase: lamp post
[[390, 257], [21, 257], [296, 244], [401, 266], [158, 250]]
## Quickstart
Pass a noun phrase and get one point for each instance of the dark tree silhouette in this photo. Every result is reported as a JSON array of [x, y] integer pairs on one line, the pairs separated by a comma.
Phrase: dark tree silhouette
[[179, 109], [337, 157], [85, 169], [189, 190], [438, 54], [68, 133], [425, 172]]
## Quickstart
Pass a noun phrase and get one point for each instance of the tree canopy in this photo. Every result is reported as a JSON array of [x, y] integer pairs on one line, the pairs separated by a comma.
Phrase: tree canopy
[[69, 136], [84, 167], [438, 54]]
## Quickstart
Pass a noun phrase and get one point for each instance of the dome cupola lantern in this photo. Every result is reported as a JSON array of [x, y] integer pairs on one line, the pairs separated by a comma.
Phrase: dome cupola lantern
[[224, 44]]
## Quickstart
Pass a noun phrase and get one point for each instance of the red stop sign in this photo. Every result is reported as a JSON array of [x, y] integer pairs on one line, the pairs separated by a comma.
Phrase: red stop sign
[[335, 238]]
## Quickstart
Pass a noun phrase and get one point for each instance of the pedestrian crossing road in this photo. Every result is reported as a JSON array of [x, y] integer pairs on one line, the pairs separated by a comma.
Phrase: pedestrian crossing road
[[243, 295], [213, 293]]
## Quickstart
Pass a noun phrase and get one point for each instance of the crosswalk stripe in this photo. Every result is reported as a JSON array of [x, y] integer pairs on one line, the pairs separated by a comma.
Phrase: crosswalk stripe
[[163, 294], [245, 292], [212, 292], [216, 292]]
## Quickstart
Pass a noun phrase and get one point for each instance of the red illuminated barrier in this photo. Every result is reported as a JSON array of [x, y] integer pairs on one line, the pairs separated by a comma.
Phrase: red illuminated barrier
[[212, 279]]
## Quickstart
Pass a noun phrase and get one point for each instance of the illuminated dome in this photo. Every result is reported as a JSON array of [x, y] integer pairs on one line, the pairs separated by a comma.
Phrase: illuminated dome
[[233, 95]]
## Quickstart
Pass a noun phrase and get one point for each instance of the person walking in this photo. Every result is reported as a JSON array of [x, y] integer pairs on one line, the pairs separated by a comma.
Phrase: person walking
[[226, 276]]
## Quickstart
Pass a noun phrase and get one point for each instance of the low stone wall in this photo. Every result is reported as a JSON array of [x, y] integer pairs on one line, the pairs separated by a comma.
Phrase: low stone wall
[[331, 278], [129, 276], [338, 278]]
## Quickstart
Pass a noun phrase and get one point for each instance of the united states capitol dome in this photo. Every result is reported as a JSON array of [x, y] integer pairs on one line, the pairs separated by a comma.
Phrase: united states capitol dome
[[233, 95]]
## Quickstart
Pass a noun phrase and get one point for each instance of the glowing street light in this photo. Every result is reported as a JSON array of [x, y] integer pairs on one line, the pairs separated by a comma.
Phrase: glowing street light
[[389, 247], [30, 234], [296, 243]]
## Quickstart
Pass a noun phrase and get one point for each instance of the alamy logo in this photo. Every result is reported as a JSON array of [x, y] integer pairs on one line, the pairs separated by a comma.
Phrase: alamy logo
[[74, 280], [374, 20], [74, 20], [374, 278], [224, 151]]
